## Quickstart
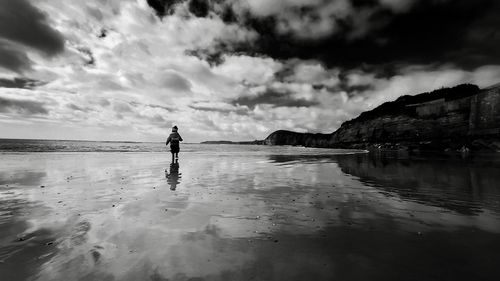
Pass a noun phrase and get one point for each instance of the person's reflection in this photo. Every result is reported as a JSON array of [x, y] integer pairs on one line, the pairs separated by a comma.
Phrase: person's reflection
[[173, 175]]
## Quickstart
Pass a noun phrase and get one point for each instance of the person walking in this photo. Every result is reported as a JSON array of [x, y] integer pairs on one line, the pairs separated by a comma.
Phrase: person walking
[[174, 139]]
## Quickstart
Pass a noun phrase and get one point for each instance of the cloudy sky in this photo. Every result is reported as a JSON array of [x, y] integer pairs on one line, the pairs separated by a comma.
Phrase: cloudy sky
[[232, 70]]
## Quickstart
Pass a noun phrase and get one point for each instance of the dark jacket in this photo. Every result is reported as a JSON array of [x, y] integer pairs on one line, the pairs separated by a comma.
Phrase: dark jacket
[[174, 139]]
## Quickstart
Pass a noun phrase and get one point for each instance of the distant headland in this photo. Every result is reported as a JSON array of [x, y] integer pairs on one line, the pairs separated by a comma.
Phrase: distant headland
[[255, 142]]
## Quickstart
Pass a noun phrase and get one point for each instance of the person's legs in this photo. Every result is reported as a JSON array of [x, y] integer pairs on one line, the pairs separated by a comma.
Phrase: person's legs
[[172, 157]]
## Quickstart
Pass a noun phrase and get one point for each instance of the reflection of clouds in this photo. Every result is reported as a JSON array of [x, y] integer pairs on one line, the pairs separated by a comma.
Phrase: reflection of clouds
[[20, 241], [21, 177], [168, 246], [235, 216]]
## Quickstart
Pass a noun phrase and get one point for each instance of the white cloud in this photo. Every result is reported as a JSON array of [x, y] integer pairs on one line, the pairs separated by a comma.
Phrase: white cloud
[[254, 70], [141, 60], [313, 73]]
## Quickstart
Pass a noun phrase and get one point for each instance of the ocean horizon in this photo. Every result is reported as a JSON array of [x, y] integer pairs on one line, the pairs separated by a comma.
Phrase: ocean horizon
[[44, 145]]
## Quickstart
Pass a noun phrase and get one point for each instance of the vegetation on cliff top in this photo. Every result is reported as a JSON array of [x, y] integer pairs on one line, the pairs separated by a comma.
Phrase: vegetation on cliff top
[[400, 105]]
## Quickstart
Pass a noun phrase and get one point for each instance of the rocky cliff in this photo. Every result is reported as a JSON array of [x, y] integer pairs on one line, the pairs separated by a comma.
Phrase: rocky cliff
[[448, 118]]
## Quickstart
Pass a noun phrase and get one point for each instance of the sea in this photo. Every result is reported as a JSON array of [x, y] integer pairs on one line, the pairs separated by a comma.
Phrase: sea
[[33, 145]]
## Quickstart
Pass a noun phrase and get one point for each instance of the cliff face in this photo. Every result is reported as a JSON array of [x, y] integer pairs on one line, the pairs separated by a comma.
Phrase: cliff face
[[446, 118], [485, 112]]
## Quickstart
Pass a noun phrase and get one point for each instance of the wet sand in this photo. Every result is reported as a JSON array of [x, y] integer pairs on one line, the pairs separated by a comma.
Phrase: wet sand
[[247, 216]]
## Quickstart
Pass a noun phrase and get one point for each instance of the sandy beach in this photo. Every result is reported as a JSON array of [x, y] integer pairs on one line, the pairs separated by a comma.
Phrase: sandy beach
[[247, 215]]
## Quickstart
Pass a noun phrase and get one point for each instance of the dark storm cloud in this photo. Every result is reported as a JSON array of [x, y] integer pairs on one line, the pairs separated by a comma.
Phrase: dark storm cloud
[[163, 7], [21, 83], [23, 23], [24, 107], [12, 58], [199, 8], [431, 32], [483, 39], [274, 98], [369, 34]]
